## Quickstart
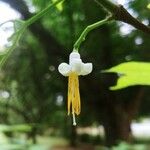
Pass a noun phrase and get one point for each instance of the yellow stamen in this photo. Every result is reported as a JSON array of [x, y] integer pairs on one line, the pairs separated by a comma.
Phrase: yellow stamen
[[73, 95]]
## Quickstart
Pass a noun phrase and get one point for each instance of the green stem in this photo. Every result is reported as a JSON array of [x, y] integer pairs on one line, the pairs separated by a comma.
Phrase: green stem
[[40, 14], [88, 29], [10, 50]]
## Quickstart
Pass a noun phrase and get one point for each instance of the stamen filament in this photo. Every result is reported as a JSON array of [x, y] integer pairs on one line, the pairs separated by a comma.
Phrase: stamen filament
[[74, 119], [73, 94]]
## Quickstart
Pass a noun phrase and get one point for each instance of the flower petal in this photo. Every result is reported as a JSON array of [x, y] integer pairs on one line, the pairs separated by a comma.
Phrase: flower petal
[[64, 69], [76, 65], [86, 68], [74, 55]]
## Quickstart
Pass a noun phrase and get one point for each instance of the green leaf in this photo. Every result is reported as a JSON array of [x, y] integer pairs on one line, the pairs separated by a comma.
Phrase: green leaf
[[131, 73]]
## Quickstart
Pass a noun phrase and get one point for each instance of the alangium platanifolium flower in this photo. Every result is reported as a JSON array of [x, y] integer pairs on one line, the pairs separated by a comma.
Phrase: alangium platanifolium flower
[[72, 70]]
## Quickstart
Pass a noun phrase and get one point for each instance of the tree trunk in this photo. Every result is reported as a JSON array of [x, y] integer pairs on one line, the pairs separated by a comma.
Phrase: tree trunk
[[116, 125], [118, 117]]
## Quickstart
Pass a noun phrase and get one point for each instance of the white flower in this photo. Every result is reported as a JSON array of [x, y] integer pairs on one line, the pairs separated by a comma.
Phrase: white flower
[[75, 68], [75, 65]]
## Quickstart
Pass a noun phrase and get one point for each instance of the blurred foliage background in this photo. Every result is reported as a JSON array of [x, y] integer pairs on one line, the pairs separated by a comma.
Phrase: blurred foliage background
[[33, 93]]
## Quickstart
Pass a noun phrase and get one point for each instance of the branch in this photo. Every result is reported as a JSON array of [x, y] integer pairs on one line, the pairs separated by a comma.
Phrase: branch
[[121, 14]]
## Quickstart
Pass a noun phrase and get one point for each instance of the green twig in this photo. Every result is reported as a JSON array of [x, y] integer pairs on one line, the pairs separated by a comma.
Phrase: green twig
[[42, 13], [10, 50], [19, 33], [88, 29]]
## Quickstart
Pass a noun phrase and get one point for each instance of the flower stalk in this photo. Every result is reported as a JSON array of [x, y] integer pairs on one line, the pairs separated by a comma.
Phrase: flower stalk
[[90, 28]]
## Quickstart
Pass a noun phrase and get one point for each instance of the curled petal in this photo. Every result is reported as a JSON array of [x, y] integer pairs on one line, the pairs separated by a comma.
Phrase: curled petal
[[76, 66], [64, 69], [86, 68]]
